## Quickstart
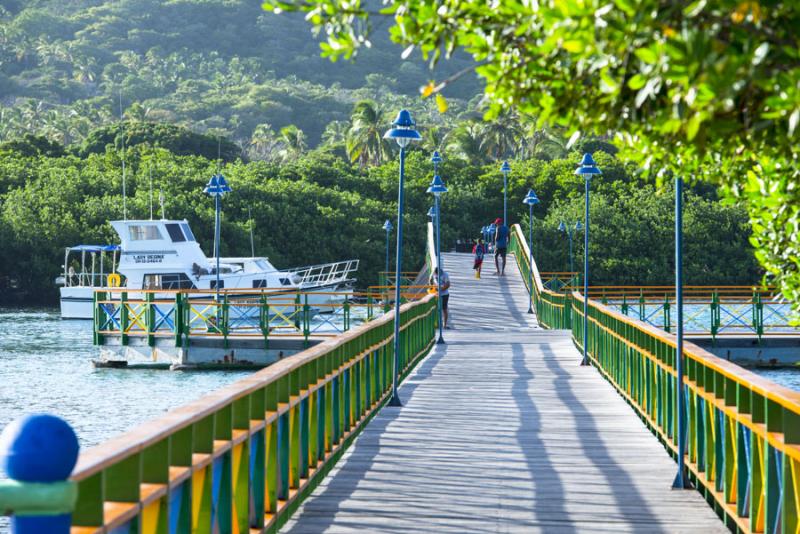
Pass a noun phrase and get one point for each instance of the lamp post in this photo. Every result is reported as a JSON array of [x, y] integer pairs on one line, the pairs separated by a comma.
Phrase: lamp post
[[505, 169], [587, 169], [388, 227], [216, 187], [681, 479], [404, 133], [437, 187], [531, 200], [564, 228], [491, 228]]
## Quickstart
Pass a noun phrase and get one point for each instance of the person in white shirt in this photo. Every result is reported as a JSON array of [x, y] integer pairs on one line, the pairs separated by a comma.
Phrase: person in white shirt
[[445, 294]]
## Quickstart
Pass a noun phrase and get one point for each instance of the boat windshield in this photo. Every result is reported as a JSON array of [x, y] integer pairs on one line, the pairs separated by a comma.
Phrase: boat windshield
[[143, 232], [187, 232]]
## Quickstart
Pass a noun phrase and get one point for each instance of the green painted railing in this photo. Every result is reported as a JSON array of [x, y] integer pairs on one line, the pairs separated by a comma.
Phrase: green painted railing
[[244, 456], [552, 307], [743, 437]]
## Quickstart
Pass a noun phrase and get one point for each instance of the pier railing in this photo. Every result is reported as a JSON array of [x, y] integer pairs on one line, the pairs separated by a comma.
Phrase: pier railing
[[244, 456], [553, 308], [743, 437], [254, 313]]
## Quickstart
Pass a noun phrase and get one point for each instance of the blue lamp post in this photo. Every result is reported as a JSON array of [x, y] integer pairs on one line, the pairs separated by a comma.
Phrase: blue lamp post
[[388, 227], [567, 230], [403, 133], [531, 200], [587, 169], [217, 186], [681, 478], [491, 230], [437, 187], [505, 169]]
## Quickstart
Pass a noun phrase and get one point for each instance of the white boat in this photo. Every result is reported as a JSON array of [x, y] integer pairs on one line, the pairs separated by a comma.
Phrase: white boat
[[163, 254]]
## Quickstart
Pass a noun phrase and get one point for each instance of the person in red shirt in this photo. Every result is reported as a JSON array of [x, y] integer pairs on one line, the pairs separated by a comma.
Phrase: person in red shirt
[[479, 250]]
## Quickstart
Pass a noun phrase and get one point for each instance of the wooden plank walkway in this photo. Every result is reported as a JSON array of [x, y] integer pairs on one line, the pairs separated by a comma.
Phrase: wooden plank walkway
[[503, 431]]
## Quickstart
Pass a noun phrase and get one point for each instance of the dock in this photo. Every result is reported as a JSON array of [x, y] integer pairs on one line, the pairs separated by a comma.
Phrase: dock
[[503, 431]]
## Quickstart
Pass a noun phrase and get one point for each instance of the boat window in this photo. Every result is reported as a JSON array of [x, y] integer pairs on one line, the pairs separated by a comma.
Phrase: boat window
[[259, 283], [263, 265], [167, 281], [214, 284], [174, 231], [187, 232], [285, 282], [143, 232]]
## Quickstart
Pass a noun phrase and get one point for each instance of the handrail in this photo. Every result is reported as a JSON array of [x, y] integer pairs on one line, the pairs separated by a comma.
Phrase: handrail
[[287, 424], [743, 431]]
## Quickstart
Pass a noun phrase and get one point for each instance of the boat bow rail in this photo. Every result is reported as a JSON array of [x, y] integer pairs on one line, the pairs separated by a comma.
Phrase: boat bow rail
[[324, 274]]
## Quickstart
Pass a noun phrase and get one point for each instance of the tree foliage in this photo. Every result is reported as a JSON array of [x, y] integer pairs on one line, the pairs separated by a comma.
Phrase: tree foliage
[[707, 89]]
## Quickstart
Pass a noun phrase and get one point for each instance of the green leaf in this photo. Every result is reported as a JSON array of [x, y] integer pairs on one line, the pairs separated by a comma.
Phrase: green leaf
[[637, 82], [647, 55]]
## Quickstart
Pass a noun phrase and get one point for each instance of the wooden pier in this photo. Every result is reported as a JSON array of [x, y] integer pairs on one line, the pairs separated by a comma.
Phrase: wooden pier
[[503, 431]]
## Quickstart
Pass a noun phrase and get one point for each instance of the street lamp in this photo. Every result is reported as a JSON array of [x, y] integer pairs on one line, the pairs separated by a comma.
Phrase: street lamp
[[403, 133], [216, 187], [567, 230], [437, 187], [491, 228], [531, 200], [681, 478], [587, 169], [505, 169], [388, 227]]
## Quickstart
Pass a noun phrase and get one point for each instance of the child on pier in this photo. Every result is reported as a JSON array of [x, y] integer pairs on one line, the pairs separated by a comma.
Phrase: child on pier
[[480, 251]]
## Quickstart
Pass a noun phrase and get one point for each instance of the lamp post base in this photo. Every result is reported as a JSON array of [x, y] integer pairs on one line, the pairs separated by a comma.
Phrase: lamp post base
[[441, 341], [584, 362], [681, 482], [395, 401], [530, 310]]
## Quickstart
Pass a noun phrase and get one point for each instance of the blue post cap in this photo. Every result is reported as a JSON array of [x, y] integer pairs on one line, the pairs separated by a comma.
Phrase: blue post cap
[[562, 227], [431, 213], [578, 226], [588, 167], [437, 186], [388, 225], [38, 448], [217, 185], [436, 158], [530, 199], [505, 167]]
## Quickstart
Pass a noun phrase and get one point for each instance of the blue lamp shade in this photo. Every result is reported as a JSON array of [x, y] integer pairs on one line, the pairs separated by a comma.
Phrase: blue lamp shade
[[436, 158], [403, 132], [578, 226], [432, 213], [587, 167], [437, 186], [505, 167], [562, 227], [388, 225], [217, 186], [530, 199]]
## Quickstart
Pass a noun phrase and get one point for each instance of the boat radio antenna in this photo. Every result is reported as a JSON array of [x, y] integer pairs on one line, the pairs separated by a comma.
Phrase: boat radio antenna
[[161, 200], [252, 243], [150, 169], [124, 196]]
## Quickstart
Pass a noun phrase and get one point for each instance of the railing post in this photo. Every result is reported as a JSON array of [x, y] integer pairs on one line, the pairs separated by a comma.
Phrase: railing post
[[150, 319], [224, 326], [98, 316], [758, 315], [667, 318], [715, 315], [38, 453], [123, 318], [642, 313], [306, 319], [263, 319]]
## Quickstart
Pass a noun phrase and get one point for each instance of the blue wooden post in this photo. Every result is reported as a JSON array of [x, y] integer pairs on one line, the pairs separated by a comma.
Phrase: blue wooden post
[[38, 453]]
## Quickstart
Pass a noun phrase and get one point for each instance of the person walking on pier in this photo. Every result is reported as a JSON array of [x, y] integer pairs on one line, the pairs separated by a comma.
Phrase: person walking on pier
[[500, 245], [480, 251], [445, 294]]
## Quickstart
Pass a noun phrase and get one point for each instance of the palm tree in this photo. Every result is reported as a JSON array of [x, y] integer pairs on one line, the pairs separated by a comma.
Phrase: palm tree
[[433, 138], [500, 136], [465, 141], [335, 133], [264, 143], [294, 142], [365, 142]]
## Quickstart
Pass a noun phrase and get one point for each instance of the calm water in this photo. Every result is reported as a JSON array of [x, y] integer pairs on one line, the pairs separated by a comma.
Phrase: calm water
[[45, 366]]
